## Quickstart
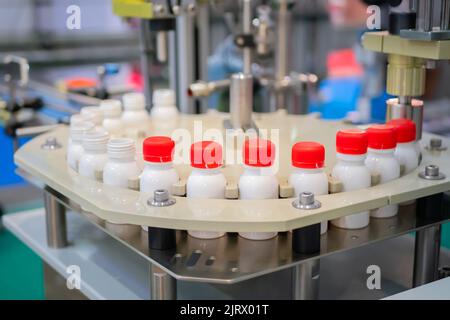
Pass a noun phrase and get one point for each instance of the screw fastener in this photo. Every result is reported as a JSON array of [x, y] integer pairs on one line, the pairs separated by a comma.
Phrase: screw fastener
[[51, 144], [432, 173], [306, 201], [161, 198]]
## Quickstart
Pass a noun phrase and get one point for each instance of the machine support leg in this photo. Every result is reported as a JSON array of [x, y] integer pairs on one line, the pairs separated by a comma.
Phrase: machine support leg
[[305, 280], [428, 241], [426, 255], [305, 276], [163, 286], [55, 216]]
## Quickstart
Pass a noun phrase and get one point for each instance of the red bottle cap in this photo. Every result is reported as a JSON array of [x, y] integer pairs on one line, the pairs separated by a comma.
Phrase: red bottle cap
[[308, 155], [351, 141], [405, 130], [158, 149], [382, 137], [206, 155], [259, 153]]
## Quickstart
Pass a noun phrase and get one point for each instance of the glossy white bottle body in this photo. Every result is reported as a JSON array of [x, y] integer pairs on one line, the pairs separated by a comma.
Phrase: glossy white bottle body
[[407, 155], [164, 112], [354, 175], [258, 183], [158, 176], [114, 126], [384, 163], [134, 121], [121, 166], [310, 180], [75, 147], [206, 184], [92, 161]]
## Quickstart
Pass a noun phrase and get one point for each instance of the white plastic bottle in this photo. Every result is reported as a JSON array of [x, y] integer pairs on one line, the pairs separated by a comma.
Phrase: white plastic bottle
[[206, 180], [351, 147], [164, 107], [406, 152], [75, 147], [135, 117], [158, 172], [94, 156], [308, 175], [95, 115], [381, 160], [258, 181], [121, 166], [112, 112]]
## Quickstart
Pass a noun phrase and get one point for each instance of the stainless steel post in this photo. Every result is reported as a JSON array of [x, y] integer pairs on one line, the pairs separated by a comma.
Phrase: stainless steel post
[[282, 51], [246, 28], [241, 100], [163, 286], [186, 62], [424, 20], [305, 280], [55, 216], [426, 255], [203, 46], [445, 15], [145, 56]]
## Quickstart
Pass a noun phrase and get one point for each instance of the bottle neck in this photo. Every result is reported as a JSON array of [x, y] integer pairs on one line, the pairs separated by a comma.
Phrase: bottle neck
[[158, 165], [381, 152], [307, 171], [351, 159], [206, 172], [258, 171]]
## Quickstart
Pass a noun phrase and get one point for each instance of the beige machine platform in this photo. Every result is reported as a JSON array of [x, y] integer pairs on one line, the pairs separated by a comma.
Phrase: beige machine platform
[[130, 207]]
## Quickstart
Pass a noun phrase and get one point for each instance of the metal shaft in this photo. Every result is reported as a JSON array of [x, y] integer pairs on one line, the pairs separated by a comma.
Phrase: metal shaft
[[55, 216], [145, 56], [241, 100], [163, 286], [426, 255], [445, 15], [424, 20], [282, 51], [186, 62], [305, 280], [246, 28]]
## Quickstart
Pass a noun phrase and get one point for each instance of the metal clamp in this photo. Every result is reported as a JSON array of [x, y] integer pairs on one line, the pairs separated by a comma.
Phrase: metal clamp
[[161, 198], [432, 173], [306, 201]]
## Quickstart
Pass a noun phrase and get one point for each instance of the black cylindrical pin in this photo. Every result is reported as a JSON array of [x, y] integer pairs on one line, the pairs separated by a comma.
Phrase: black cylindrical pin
[[161, 239], [306, 240]]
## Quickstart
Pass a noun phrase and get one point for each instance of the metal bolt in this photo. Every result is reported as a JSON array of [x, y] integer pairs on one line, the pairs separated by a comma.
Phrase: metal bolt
[[161, 198], [432, 173], [176, 10], [306, 201], [158, 9], [436, 145], [51, 143], [191, 8]]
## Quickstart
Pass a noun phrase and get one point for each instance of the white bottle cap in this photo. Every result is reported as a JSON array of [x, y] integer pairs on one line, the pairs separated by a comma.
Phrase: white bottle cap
[[163, 97], [111, 108], [94, 113], [79, 129], [133, 101], [121, 148], [95, 140]]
